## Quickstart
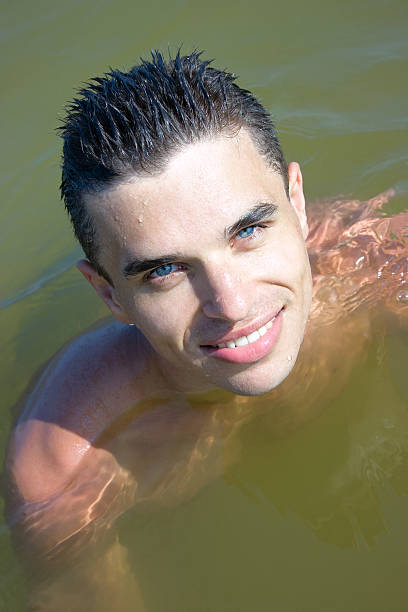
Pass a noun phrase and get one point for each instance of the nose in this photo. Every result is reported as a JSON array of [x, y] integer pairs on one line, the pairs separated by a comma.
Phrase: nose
[[224, 294]]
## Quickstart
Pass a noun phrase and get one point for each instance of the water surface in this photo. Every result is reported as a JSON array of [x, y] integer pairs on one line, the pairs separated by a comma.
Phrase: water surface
[[312, 520]]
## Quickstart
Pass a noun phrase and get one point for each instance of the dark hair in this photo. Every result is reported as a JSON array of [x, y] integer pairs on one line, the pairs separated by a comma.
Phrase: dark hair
[[131, 122]]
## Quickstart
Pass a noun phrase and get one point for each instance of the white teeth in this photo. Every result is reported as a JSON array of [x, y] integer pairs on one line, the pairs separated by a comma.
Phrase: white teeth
[[253, 337]]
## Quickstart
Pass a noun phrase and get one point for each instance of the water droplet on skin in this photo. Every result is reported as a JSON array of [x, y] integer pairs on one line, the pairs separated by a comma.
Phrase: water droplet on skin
[[289, 357]]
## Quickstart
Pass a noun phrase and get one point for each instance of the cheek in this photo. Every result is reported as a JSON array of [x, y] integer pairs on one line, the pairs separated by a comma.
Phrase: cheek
[[162, 319], [286, 261], [296, 253]]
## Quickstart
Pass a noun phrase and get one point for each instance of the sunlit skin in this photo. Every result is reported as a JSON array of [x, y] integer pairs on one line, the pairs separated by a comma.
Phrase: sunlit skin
[[145, 411], [220, 281]]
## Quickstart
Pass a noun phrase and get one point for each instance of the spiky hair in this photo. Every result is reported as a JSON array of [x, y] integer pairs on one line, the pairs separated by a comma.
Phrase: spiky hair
[[127, 123]]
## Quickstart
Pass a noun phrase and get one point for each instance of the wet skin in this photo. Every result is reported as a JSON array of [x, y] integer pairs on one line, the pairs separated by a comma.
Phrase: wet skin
[[129, 415], [220, 280]]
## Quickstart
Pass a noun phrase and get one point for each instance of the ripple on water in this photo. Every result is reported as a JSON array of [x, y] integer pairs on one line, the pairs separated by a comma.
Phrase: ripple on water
[[402, 296]]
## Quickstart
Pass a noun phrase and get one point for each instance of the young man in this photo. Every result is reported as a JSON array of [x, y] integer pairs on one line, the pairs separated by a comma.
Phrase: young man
[[194, 230]]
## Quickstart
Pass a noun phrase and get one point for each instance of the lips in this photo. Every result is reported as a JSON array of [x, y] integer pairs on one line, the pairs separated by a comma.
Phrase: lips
[[249, 347], [245, 335], [249, 339]]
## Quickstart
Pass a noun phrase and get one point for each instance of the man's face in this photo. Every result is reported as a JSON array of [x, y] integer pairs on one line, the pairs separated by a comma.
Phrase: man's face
[[208, 260]]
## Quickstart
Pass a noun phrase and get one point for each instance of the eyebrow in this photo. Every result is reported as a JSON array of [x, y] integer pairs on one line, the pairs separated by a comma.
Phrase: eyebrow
[[257, 214], [142, 265]]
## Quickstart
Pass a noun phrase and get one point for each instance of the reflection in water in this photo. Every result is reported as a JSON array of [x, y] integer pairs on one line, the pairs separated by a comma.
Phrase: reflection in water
[[333, 472], [315, 446], [359, 259]]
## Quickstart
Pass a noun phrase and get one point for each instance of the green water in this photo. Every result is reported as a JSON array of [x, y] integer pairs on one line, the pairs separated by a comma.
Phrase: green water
[[316, 520]]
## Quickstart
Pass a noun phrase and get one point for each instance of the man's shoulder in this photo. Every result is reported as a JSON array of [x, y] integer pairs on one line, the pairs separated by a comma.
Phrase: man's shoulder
[[101, 365], [83, 389], [41, 458]]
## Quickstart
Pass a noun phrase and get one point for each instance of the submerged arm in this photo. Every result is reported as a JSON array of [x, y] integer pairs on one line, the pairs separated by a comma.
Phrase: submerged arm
[[67, 540]]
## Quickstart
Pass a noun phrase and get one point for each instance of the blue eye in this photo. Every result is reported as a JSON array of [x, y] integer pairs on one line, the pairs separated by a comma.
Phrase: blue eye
[[247, 231], [163, 270]]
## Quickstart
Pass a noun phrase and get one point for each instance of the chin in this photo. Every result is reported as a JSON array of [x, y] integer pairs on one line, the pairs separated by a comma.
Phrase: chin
[[258, 380]]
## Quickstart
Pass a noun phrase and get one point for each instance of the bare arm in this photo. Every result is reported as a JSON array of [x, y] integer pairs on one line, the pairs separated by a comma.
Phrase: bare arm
[[67, 540], [102, 581]]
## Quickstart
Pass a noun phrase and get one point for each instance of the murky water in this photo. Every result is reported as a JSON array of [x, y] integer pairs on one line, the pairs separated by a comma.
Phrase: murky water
[[314, 518]]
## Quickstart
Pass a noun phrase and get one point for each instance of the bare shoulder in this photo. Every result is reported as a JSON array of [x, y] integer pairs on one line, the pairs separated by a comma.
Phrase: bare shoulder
[[81, 392]]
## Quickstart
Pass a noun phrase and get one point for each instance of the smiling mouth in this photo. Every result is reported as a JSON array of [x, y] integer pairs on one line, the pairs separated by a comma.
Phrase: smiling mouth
[[244, 340], [250, 348]]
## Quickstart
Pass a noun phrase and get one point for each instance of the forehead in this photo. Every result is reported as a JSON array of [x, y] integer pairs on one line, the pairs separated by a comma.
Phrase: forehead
[[206, 185]]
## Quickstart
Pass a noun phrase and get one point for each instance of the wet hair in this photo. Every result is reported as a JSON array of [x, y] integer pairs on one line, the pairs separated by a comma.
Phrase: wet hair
[[128, 123]]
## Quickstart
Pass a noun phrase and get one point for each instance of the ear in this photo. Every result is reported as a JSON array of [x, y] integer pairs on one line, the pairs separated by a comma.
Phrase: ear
[[104, 289], [296, 197]]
